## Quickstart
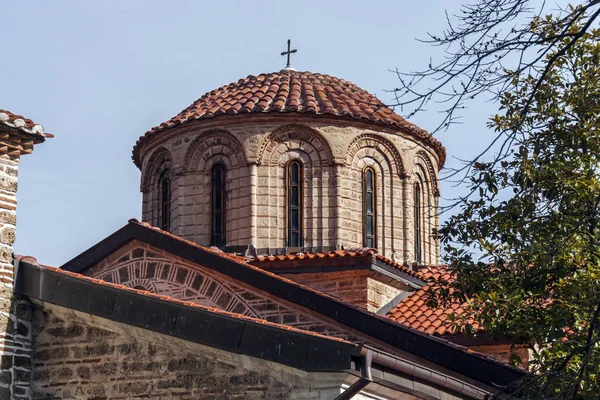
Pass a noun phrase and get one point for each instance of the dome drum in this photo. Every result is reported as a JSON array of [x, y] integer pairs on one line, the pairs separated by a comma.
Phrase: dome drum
[[294, 182]]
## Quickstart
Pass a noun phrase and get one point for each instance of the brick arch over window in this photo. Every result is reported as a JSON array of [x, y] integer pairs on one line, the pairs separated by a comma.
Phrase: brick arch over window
[[375, 152], [207, 150], [312, 150], [428, 213], [429, 171], [159, 161], [213, 144], [309, 140], [159, 165], [379, 145]]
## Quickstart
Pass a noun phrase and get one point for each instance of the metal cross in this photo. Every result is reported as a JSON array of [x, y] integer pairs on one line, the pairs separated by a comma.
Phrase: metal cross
[[288, 52]]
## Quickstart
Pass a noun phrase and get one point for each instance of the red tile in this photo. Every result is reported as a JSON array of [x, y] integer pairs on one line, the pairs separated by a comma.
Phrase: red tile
[[294, 91]]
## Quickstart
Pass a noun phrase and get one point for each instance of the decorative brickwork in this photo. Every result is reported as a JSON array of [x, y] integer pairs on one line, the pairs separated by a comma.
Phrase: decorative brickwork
[[159, 164], [254, 152], [425, 175], [78, 360], [140, 266], [374, 151], [215, 147]]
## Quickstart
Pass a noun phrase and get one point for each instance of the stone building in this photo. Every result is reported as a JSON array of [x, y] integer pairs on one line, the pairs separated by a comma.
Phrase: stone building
[[337, 136], [286, 253]]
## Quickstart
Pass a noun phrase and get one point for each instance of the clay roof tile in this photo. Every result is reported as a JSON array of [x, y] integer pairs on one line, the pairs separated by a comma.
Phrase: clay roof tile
[[292, 91]]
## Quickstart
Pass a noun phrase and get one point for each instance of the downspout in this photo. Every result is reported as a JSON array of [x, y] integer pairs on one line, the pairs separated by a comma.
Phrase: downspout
[[366, 358]]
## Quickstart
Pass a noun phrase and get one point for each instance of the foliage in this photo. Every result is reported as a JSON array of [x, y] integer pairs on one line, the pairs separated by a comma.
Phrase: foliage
[[526, 245], [481, 41]]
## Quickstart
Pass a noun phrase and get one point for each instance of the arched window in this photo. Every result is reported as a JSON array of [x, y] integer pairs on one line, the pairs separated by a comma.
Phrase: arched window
[[417, 224], [164, 184], [369, 208], [294, 199], [218, 206]]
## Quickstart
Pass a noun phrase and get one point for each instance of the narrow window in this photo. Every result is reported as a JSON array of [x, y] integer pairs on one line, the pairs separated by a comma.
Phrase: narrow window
[[369, 208], [417, 213], [218, 206], [294, 180], [165, 200]]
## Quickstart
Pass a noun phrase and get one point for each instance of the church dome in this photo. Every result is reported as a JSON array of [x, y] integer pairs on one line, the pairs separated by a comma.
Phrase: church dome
[[290, 91], [293, 162]]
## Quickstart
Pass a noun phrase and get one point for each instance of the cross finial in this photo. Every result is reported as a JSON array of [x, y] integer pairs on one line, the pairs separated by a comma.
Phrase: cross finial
[[288, 52]]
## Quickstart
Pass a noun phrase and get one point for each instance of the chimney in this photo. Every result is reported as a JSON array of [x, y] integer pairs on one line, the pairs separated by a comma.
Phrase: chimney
[[18, 135]]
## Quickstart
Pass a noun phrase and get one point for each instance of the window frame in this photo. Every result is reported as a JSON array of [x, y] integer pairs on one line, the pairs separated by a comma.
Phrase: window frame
[[417, 202], [366, 214], [288, 203], [213, 193], [164, 199]]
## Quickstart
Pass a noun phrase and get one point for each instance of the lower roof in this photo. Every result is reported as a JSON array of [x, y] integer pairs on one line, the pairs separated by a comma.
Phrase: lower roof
[[186, 320], [421, 344]]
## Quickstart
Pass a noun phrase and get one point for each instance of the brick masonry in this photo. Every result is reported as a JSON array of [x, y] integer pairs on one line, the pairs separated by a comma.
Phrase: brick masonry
[[366, 289], [15, 312], [141, 266], [334, 155]]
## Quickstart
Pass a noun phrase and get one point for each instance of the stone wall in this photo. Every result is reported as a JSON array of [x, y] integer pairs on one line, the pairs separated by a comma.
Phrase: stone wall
[[76, 359], [333, 154], [15, 338]]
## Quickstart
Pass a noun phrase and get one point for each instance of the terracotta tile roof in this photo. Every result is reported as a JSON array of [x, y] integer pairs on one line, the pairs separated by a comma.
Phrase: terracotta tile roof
[[242, 261], [32, 260], [358, 256], [413, 310], [357, 309], [399, 266], [21, 123], [434, 273], [297, 92], [312, 256]]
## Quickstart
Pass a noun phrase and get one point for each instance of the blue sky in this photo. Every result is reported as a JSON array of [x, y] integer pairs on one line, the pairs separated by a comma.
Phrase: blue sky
[[98, 74]]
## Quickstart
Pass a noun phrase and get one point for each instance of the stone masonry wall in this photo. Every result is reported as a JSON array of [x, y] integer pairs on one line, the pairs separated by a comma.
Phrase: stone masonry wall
[[76, 360], [333, 155], [15, 338]]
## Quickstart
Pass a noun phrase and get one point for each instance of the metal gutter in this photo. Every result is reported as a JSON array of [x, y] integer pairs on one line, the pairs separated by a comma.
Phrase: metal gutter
[[392, 362]]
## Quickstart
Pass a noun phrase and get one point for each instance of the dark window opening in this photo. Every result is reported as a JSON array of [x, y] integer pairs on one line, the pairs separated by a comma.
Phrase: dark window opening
[[369, 208], [417, 213], [165, 200], [218, 206], [294, 199]]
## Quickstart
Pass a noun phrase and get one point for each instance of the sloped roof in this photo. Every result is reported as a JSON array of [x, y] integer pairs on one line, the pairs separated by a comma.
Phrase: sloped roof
[[21, 123], [290, 91], [421, 344], [415, 312], [183, 319]]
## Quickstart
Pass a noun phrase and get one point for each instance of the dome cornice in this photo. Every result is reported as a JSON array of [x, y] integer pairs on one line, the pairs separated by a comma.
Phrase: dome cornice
[[293, 92]]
